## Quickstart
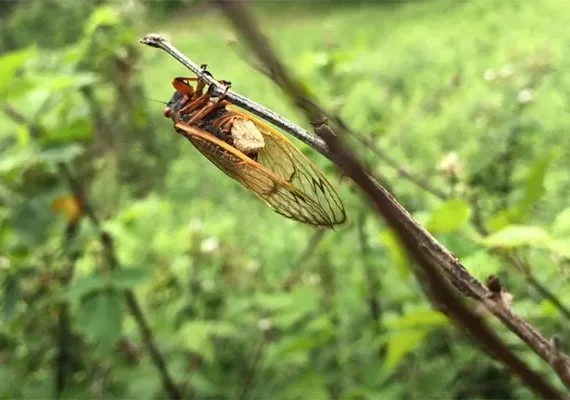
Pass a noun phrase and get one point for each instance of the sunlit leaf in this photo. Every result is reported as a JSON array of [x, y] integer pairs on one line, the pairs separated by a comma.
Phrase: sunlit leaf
[[449, 216], [517, 236], [401, 344], [560, 247], [561, 225], [101, 319], [534, 185], [396, 253], [502, 219], [10, 63], [102, 16], [418, 318]]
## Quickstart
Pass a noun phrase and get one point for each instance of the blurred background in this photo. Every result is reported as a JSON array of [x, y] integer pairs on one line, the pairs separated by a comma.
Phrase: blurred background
[[468, 98]]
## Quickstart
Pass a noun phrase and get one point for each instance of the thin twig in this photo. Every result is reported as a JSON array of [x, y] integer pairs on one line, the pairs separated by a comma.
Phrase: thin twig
[[417, 238]]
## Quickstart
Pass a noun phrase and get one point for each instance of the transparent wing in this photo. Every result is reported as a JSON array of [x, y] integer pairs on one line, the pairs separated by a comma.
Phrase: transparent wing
[[284, 159], [278, 193]]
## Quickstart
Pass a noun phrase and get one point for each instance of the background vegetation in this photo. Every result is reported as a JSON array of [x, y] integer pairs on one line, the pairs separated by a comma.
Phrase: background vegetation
[[471, 97]]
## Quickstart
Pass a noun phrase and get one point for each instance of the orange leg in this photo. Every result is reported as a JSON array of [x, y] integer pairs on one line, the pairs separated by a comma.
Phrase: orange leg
[[195, 104], [203, 113]]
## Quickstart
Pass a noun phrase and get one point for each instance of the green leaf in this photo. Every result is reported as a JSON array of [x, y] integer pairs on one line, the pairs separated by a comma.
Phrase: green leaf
[[418, 318], [100, 17], [84, 286], [197, 336], [76, 130], [450, 216], [10, 63], [401, 344], [64, 153], [534, 185], [31, 221], [517, 236], [73, 81], [561, 225], [101, 319], [128, 278], [397, 255], [11, 296], [502, 219], [560, 247]]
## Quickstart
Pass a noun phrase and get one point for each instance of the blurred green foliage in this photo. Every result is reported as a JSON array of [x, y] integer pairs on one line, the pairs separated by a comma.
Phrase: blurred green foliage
[[470, 96]]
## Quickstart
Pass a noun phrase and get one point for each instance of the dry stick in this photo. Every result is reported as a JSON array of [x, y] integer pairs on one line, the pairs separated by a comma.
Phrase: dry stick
[[454, 270], [111, 258], [441, 291]]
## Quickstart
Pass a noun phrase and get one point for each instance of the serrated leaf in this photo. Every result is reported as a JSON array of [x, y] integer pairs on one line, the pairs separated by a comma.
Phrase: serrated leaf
[[128, 278], [517, 236], [401, 344], [10, 63], [449, 216], [101, 319], [561, 225]]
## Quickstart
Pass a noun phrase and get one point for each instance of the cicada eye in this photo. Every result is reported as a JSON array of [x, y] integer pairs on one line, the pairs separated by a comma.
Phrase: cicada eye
[[167, 112]]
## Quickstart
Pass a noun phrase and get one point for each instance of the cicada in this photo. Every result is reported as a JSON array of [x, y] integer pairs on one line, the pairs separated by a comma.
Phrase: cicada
[[254, 154]]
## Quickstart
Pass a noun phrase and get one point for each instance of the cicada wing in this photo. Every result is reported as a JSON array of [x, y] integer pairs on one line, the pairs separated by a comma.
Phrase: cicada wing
[[276, 192], [285, 160]]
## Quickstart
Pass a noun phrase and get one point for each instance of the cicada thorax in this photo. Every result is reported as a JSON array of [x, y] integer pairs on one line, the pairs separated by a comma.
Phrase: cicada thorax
[[235, 130]]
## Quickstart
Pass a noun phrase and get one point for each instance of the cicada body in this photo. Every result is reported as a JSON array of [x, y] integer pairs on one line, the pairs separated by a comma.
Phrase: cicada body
[[256, 155]]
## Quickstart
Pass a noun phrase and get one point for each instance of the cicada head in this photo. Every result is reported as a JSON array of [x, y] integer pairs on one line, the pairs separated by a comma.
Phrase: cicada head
[[176, 102]]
